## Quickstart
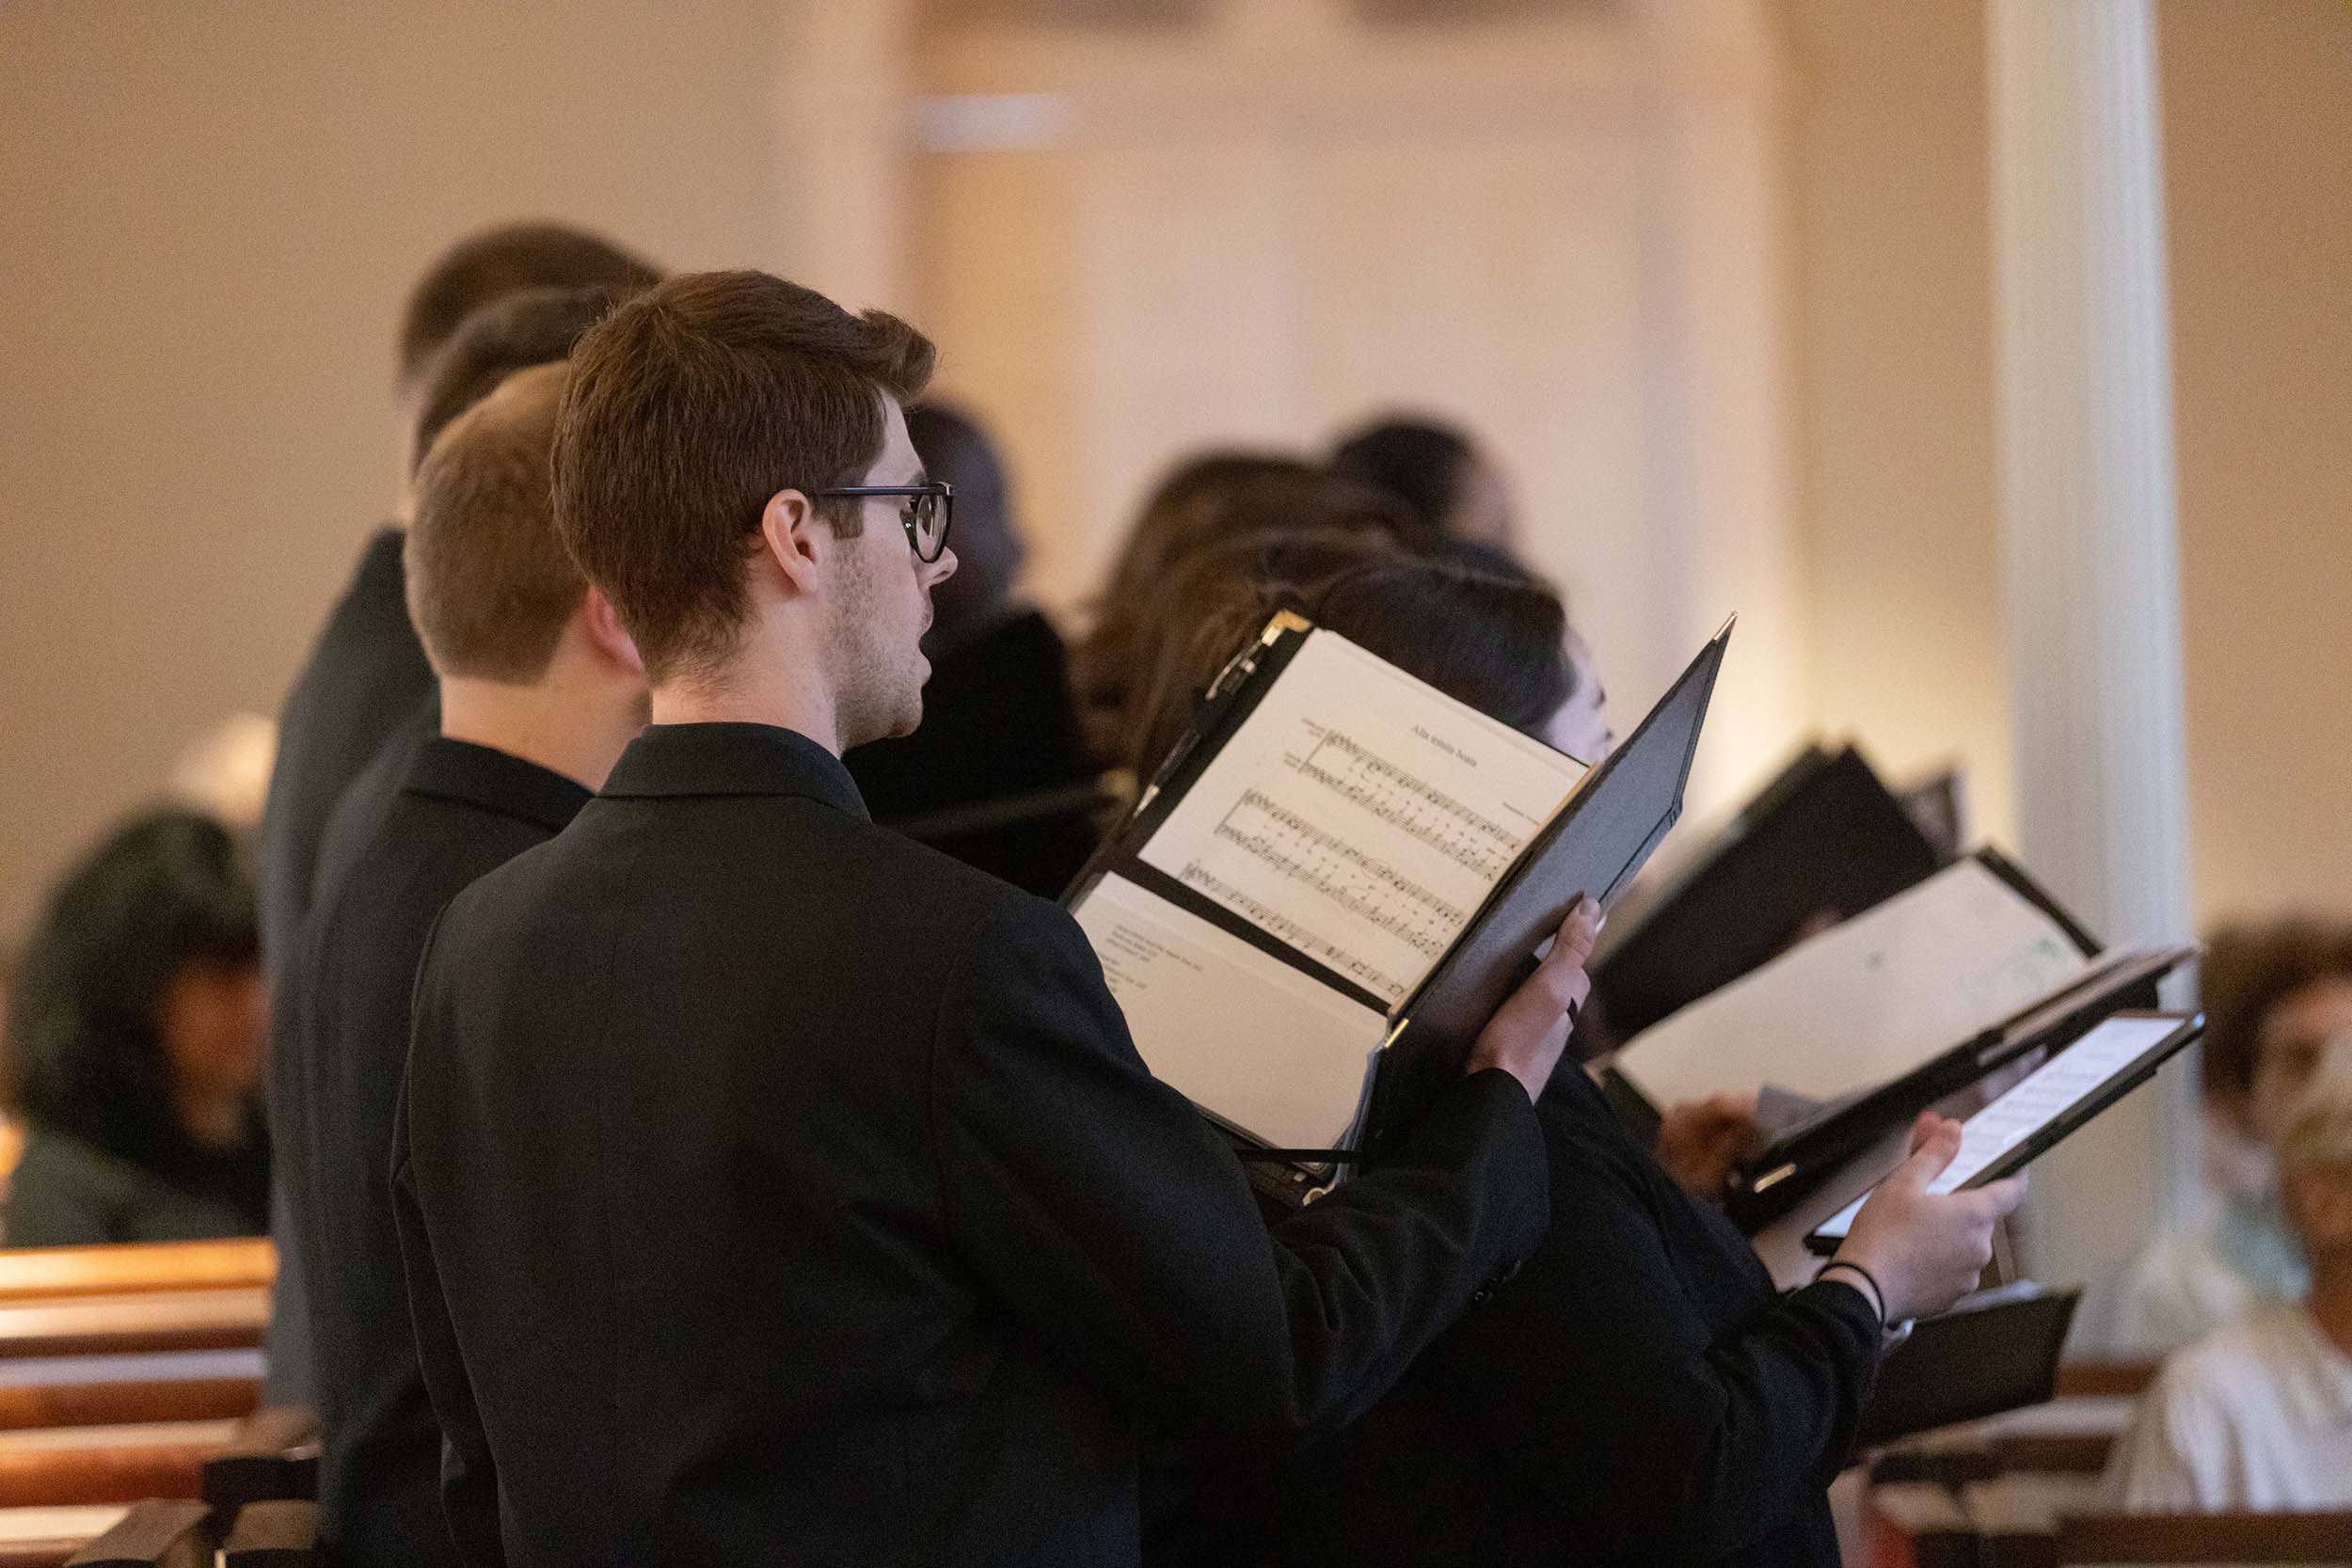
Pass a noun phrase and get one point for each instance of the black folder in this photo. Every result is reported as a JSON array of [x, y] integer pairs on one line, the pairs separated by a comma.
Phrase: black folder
[[1824, 837], [1996, 1351]]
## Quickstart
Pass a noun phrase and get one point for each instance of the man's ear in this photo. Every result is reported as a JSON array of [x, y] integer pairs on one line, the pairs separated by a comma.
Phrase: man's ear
[[607, 635], [789, 526]]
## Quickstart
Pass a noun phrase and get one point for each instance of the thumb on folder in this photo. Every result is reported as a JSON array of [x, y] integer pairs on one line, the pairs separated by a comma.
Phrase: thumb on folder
[[1927, 1249]]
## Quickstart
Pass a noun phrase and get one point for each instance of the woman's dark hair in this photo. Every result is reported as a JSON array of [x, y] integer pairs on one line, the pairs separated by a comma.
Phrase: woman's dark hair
[[1202, 504], [1496, 642], [85, 1052], [2249, 970]]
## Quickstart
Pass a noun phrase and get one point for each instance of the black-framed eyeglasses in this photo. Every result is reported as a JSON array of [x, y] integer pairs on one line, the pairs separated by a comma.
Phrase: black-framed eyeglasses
[[929, 510]]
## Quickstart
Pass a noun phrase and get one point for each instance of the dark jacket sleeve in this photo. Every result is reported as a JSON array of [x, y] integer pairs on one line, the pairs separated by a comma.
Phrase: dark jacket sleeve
[[1670, 1441], [470, 1492], [1101, 1210]]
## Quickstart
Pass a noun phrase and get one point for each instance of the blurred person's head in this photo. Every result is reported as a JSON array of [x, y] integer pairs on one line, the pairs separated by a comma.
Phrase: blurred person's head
[[1208, 500], [1451, 487], [531, 659], [710, 424], [138, 1017], [489, 266], [2315, 1168], [2274, 995], [989, 551], [514, 332], [1493, 643], [1178, 650]]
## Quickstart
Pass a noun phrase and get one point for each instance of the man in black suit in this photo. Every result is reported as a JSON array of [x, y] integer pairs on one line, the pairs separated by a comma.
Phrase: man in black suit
[[366, 682], [775, 1188], [540, 690], [997, 775]]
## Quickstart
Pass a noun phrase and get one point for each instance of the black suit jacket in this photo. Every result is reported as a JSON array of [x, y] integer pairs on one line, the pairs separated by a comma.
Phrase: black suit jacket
[[365, 680], [776, 1189], [1638, 1394], [391, 861]]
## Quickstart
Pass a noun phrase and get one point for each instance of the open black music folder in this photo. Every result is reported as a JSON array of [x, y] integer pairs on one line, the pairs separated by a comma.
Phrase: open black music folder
[[1342, 871]]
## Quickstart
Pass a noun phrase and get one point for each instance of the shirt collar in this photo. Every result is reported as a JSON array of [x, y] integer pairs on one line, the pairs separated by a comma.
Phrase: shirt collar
[[494, 781], [731, 759]]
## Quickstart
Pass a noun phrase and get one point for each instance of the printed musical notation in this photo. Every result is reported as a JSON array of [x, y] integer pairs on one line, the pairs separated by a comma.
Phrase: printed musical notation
[[1306, 939], [1360, 816], [1355, 773]]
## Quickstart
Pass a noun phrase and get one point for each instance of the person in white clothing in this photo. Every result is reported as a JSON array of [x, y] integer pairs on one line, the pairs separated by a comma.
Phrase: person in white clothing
[[2257, 1416]]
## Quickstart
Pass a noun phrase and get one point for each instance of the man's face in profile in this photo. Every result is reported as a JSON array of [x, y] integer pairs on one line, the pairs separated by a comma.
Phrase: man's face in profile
[[882, 604]]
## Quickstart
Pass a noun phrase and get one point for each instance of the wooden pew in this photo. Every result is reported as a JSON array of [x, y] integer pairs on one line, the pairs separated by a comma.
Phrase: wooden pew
[[109, 1464], [153, 1534], [2204, 1538], [46, 1537], [105, 1337], [47, 1274]]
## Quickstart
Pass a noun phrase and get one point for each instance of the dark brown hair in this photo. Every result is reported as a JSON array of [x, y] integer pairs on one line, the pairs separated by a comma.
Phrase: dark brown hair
[[1495, 642], [690, 406], [2249, 970], [531, 326], [501, 260], [490, 585], [1215, 498]]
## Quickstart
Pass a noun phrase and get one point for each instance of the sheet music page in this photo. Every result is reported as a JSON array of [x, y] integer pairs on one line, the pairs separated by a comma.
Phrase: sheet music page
[[2051, 1090], [1865, 1002], [1360, 816], [1238, 1032]]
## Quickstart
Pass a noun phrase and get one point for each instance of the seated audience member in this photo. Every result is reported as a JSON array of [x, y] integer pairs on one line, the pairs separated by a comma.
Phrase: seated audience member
[[137, 1021], [2274, 996], [365, 698], [996, 776], [1452, 489], [540, 690], [774, 1187], [1639, 1392], [2257, 1416], [1210, 503]]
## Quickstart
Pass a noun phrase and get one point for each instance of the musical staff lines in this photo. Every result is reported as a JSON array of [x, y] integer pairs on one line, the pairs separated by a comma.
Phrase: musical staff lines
[[1356, 773], [1272, 921]]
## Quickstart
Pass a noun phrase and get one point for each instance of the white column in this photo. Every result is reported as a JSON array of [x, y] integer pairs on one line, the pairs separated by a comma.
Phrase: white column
[[2084, 388]]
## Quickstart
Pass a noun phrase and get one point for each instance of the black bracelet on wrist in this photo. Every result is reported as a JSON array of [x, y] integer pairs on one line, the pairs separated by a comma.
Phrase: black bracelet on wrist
[[1877, 1292]]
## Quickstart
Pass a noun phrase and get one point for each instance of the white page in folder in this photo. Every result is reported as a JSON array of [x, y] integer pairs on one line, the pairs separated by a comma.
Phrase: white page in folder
[[1236, 1031], [1360, 816], [2051, 1090], [1864, 1002]]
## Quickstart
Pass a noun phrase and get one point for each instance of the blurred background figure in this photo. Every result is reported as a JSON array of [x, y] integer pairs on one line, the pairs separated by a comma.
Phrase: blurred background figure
[[2274, 995], [997, 774], [1452, 487], [137, 1020], [1212, 499], [2257, 1416]]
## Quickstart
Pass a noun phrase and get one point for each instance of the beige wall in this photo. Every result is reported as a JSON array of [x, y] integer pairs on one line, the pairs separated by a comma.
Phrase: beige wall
[[2258, 155], [1896, 452], [212, 213], [1893, 313]]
